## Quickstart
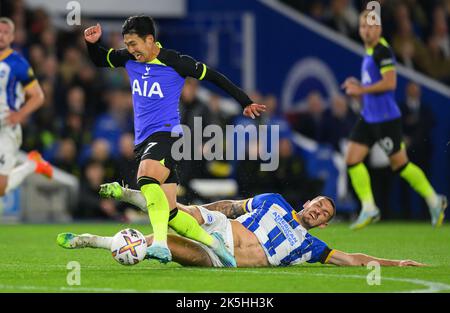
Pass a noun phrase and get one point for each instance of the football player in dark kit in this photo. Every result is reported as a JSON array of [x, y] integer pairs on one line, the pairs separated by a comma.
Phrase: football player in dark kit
[[157, 77], [380, 121]]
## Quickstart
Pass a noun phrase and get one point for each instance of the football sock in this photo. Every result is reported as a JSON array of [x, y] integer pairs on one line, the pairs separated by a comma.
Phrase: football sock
[[190, 230], [134, 197], [360, 179], [158, 208], [418, 181], [187, 226], [100, 242], [19, 173]]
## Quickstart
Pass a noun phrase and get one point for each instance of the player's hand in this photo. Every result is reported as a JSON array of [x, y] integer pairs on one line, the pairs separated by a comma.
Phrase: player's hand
[[350, 80], [354, 90], [410, 263], [253, 110], [15, 118], [93, 33]]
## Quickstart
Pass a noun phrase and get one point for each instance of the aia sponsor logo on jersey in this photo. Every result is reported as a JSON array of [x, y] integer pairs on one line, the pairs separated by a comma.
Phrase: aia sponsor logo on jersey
[[144, 89]]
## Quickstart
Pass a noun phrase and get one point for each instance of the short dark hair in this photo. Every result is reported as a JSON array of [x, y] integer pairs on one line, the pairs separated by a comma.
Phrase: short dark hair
[[140, 25], [333, 205]]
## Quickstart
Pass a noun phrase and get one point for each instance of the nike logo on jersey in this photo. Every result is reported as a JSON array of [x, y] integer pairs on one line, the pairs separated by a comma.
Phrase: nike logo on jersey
[[146, 74]]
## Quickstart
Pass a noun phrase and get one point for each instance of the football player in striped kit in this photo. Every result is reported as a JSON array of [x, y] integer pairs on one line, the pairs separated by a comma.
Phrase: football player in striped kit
[[261, 231], [20, 96]]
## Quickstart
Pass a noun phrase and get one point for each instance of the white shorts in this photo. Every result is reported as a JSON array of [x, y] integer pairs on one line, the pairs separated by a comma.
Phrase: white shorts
[[10, 142], [217, 222]]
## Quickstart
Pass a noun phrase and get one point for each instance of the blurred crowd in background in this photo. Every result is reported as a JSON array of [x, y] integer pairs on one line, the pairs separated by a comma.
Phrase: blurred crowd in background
[[418, 30], [86, 124]]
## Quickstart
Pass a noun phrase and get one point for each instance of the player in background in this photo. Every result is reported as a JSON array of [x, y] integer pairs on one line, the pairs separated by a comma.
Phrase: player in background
[[380, 121], [156, 77], [20, 96], [266, 232]]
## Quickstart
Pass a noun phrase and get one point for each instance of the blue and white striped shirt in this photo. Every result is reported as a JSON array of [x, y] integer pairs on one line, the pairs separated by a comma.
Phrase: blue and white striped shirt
[[15, 76], [285, 241]]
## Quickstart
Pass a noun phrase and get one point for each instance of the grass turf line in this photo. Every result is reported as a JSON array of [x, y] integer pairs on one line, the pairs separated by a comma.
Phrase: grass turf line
[[32, 262]]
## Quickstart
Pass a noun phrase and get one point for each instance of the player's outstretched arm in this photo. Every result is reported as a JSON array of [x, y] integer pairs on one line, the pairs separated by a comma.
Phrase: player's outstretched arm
[[230, 208], [250, 109], [187, 66], [358, 259], [101, 56]]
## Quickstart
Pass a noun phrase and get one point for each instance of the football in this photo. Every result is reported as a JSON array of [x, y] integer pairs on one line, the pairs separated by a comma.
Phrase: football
[[128, 246]]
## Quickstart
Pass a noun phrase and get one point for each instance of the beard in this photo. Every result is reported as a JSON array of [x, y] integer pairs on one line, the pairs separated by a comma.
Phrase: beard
[[308, 222]]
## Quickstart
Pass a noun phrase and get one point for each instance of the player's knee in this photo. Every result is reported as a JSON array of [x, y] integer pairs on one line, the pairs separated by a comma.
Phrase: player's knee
[[398, 168], [349, 161], [153, 168], [398, 161], [356, 153], [146, 180], [352, 163], [352, 159]]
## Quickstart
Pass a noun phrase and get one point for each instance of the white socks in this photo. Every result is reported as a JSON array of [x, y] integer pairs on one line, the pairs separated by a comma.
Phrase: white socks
[[134, 197], [98, 241], [19, 173]]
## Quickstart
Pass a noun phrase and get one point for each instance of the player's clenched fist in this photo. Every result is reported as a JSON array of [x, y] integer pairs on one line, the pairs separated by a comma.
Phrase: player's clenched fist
[[93, 33], [254, 109]]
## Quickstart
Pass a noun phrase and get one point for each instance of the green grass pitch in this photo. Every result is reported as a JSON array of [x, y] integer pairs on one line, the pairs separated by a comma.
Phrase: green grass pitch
[[32, 262]]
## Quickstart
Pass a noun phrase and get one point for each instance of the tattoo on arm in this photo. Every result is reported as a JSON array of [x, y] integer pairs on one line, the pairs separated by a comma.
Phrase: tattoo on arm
[[230, 208]]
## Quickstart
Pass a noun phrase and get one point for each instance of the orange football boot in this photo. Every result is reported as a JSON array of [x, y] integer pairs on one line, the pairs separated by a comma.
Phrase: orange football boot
[[42, 166]]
